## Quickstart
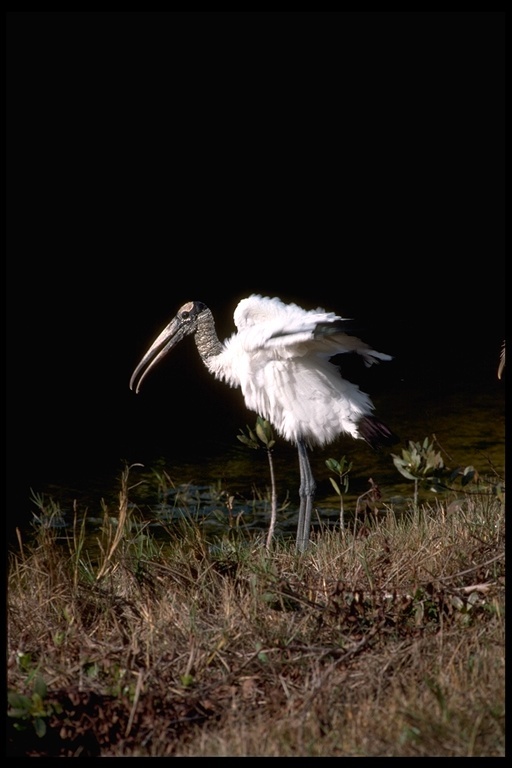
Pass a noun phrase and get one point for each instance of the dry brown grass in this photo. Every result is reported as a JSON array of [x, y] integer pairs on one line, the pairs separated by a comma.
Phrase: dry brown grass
[[387, 641]]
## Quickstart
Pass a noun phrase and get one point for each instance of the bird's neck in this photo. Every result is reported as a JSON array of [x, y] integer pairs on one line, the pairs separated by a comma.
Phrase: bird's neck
[[207, 341]]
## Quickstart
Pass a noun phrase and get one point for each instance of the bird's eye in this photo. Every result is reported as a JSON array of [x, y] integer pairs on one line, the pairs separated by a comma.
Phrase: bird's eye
[[185, 315]]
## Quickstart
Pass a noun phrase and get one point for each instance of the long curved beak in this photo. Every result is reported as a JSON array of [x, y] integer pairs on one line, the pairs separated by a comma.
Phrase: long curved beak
[[170, 336]]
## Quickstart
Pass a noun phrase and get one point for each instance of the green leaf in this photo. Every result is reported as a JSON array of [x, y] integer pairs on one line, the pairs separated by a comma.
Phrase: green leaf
[[263, 430], [335, 486], [401, 466], [40, 727], [454, 475], [468, 477], [18, 714], [252, 434], [18, 701], [25, 661], [249, 443], [40, 687]]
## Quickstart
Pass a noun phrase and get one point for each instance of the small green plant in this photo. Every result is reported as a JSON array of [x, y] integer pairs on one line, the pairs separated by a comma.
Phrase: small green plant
[[342, 469], [420, 462], [32, 709], [262, 433]]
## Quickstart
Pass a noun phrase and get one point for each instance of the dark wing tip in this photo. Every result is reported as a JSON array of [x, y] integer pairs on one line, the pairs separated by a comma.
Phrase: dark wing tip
[[334, 326], [376, 433]]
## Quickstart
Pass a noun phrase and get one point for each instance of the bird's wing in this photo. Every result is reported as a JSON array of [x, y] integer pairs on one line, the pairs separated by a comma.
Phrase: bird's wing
[[268, 324], [316, 337], [263, 311]]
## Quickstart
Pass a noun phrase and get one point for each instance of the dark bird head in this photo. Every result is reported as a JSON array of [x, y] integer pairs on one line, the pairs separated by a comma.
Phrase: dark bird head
[[186, 322]]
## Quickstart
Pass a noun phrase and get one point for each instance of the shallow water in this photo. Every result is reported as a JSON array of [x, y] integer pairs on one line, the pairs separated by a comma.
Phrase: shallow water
[[224, 481]]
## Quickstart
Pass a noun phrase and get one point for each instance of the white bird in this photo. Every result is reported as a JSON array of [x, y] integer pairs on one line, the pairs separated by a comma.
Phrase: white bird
[[279, 357]]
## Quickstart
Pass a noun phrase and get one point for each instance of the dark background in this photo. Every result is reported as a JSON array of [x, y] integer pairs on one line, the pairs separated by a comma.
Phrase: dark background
[[353, 161]]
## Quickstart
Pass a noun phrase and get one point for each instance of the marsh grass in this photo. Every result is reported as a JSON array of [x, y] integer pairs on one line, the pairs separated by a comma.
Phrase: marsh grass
[[386, 641]]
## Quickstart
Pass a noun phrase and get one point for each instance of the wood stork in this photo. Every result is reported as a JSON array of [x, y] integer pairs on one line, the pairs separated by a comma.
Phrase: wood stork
[[280, 358]]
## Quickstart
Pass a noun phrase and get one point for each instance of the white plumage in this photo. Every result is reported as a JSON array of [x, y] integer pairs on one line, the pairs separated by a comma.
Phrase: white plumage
[[279, 357]]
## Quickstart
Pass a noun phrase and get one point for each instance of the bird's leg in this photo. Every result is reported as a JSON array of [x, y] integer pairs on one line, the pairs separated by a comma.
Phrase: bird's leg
[[306, 495]]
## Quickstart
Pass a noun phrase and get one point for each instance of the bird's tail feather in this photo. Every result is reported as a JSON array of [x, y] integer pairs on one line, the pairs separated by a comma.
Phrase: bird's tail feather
[[376, 433]]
